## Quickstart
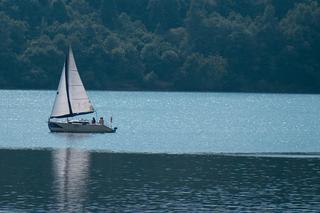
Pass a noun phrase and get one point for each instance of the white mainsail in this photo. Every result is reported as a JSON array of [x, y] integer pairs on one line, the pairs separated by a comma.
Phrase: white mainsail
[[71, 98]]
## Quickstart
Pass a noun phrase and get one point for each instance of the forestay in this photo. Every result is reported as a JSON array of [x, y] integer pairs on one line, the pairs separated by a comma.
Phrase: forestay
[[71, 98]]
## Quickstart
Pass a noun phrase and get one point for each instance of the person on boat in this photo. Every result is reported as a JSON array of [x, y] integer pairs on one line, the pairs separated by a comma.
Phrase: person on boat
[[101, 121], [93, 120]]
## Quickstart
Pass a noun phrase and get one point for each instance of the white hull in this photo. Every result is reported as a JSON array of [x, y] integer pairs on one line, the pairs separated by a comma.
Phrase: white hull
[[79, 127]]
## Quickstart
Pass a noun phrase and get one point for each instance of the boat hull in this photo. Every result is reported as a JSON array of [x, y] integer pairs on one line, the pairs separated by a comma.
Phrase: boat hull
[[79, 127]]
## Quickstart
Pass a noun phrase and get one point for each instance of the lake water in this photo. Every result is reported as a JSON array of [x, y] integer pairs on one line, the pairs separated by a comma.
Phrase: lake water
[[172, 152]]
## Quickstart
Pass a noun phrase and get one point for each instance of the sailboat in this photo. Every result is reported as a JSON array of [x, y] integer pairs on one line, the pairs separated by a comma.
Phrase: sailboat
[[72, 100]]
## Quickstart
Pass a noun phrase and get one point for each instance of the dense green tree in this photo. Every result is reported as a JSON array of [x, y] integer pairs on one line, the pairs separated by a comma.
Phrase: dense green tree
[[203, 73], [58, 11], [12, 44], [300, 57], [109, 13], [207, 45], [164, 14]]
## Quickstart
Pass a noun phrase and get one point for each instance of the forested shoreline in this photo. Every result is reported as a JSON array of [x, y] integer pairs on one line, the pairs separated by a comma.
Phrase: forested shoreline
[[171, 45]]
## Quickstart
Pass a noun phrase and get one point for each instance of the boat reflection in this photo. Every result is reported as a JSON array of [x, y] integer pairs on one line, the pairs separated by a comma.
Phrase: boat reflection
[[71, 172]]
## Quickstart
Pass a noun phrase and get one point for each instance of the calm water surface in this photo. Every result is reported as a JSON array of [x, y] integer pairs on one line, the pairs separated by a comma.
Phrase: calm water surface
[[172, 152], [156, 122]]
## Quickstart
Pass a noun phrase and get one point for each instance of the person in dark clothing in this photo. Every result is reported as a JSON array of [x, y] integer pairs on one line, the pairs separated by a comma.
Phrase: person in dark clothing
[[101, 121]]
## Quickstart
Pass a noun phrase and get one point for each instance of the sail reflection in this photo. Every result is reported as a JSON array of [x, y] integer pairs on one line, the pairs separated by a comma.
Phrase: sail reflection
[[71, 172]]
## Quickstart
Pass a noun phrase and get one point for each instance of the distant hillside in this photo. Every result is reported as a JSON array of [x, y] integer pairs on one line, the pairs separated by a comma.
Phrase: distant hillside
[[193, 45]]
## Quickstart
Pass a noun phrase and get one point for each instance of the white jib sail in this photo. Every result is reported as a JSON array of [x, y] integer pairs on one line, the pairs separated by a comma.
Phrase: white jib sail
[[71, 91], [60, 106]]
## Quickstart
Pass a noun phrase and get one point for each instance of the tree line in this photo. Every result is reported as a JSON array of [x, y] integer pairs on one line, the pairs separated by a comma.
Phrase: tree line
[[180, 45]]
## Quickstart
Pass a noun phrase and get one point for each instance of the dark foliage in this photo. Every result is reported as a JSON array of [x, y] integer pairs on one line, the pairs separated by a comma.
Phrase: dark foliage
[[193, 45]]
